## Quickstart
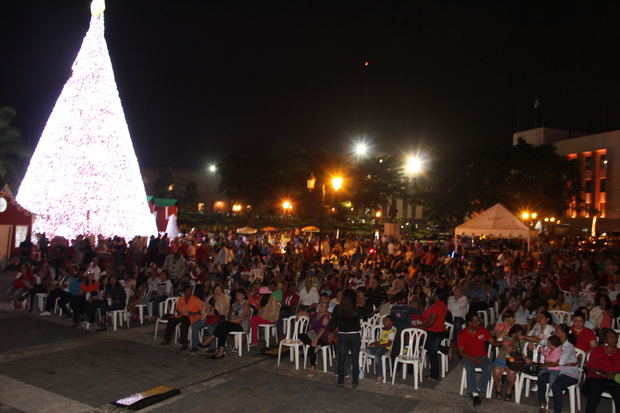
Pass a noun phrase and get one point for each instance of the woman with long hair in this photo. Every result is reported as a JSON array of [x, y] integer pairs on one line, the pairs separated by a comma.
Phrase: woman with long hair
[[346, 320]]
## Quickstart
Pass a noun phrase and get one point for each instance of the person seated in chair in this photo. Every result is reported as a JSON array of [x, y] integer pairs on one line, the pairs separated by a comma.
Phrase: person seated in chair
[[188, 311], [382, 346]]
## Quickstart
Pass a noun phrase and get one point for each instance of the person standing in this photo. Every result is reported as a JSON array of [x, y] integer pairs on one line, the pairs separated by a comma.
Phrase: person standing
[[346, 320], [470, 343], [435, 317]]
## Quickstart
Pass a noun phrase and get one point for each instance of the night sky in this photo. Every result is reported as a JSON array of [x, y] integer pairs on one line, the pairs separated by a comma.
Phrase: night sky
[[202, 79]]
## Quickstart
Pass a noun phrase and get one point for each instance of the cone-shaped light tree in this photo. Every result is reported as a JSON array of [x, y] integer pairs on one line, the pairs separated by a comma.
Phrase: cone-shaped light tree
[[83, 177]]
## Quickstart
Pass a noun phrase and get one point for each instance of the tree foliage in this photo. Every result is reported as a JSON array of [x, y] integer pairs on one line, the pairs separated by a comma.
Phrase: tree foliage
[[13, 152], [377, 180], [521, 177], [190, 198], [164, 180]]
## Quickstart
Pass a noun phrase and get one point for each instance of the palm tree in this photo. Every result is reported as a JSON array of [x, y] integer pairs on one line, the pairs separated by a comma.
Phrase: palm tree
[[13, 153]]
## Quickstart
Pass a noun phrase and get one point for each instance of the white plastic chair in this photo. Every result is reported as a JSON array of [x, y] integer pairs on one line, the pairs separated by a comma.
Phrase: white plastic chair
[[118, 316], [327, 354], [294, 329], [606, 395], [559, 316], [148, 306], [445, 364], [385, 359], [168, 308], [41, 298], [411, 353], [485, 317], [238, 336], [526, 379], [573, 391]]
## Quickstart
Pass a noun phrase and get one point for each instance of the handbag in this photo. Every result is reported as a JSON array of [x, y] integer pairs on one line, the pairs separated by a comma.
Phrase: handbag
[[515, 361]]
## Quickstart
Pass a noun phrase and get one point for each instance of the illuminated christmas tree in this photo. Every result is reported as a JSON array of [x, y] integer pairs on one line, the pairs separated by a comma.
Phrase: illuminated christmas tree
[[83, 177]]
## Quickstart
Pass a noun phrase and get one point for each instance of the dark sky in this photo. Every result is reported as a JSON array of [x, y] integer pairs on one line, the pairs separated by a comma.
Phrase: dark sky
[[201, 79]]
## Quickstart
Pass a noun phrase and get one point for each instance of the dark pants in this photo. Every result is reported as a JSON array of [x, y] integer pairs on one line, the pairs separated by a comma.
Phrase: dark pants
[[78, 306], [592, 389], [172, 324], [349, 346], [433, 345], [32, 294], [396, 345], [102, 305], [308, 341], [64, 296], [222, 330], [559, 385], [458, 326]]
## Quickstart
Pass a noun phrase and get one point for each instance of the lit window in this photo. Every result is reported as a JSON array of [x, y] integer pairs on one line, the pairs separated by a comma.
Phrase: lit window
[[601, 210], [603, 161], [201, 206], [21, 233]]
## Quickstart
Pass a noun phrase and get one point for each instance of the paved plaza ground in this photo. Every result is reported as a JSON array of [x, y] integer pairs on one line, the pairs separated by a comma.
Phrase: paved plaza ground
[[47, 366]]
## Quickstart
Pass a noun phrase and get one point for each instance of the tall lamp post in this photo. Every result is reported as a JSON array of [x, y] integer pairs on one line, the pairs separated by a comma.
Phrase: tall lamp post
[[337, 183]]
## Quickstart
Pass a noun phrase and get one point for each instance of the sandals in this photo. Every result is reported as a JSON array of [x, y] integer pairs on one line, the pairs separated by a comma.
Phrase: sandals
[[499, 394], [508, 397]]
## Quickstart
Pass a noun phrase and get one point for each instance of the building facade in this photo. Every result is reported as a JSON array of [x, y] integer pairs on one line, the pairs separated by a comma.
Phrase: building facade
[[598, 157]]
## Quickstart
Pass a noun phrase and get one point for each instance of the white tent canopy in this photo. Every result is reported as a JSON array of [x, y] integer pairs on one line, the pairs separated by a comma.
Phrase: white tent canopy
[[495, 222]]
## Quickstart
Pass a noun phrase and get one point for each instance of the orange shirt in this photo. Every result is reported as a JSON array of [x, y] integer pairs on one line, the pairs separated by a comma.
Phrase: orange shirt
[[193, 306], [92, 288]]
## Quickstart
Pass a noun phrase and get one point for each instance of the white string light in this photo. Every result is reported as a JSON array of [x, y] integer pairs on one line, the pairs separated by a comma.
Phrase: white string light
[[84, 177]]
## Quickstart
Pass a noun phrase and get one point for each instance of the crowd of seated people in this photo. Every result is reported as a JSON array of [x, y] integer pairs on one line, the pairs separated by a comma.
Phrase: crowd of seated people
[[226, 282]]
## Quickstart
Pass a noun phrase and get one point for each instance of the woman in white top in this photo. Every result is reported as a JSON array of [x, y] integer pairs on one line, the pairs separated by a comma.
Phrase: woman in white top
[[542, 328]]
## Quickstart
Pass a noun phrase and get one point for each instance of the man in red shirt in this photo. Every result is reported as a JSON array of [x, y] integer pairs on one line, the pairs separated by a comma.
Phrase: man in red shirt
[[290, 300], [470, 343]]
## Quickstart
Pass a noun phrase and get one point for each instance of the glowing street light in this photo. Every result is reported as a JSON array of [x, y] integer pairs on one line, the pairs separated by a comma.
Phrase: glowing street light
[[287, 206], [213, 168], [413, 165], [534, 215], [525, 215], [361, 149], [337, 182], [378, 214], [237, 207]]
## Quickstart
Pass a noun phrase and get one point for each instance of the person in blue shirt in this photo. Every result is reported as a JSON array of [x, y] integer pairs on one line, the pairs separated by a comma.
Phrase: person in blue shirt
[[401, 315]]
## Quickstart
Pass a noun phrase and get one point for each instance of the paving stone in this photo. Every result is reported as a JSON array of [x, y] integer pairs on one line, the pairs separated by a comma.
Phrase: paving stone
[[25, 331]]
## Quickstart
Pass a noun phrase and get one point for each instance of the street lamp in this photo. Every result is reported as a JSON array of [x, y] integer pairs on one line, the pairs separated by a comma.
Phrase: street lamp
[[361, 149], [287, 206], [414, 165], [525, 215], [213, 168], [337, 182]]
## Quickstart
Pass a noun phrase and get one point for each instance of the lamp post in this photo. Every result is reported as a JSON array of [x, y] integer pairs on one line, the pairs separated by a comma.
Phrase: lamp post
[[337, 183]]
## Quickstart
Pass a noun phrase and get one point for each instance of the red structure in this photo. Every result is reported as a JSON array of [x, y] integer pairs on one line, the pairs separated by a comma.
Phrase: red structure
[[15, 223], [163, 208]]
